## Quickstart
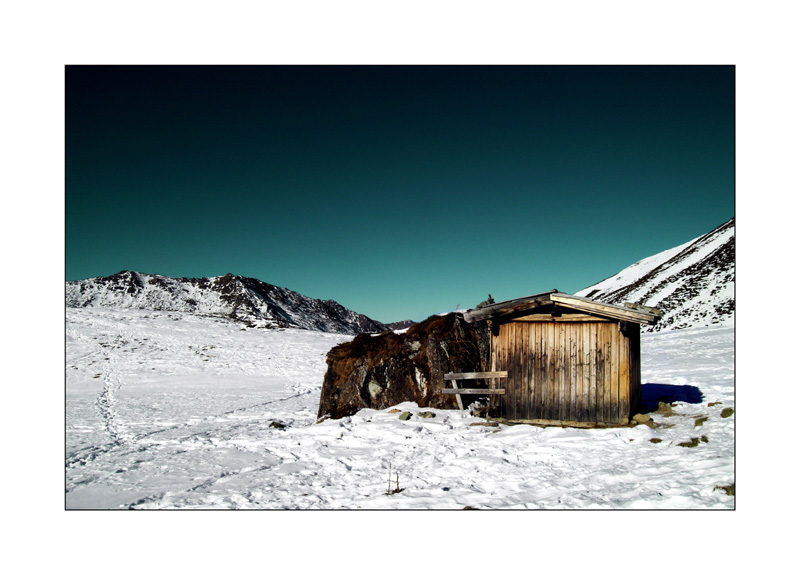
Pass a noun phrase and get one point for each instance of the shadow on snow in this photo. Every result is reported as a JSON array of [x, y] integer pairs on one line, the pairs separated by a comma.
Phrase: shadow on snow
[[653, 393]]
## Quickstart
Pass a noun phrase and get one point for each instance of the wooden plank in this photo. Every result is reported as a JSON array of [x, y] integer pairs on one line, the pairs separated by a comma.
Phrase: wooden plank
[[531, 368], [557, 423], [513, 357], [624, 378], [548, 361], [572, 411], [500, 404], [507, 307], [592, 404], [608, 371], [472, 391], [476, 375], [587, 372], [541, 372], [504, 362], [562, 367], [567, 368], [601, 372], [614, 383], [553, 369], [458, 397], [502, 342], [606, 310], [644, 308], [567, 318], [533, 373], [523, 343]]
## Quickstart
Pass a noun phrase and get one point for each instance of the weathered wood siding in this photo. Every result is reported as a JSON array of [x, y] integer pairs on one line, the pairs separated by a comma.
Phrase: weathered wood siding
[[634, 335], [568, 371]]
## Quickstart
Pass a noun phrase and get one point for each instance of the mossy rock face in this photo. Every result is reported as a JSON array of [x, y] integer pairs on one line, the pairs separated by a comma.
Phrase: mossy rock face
[[405, 416], [727, 412], [693, 442], [656, 440], [377, 372], [700, 421], [728, 489], [426, 414]]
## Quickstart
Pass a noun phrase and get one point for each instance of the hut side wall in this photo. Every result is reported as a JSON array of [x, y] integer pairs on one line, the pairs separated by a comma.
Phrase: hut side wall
[[584, 372]]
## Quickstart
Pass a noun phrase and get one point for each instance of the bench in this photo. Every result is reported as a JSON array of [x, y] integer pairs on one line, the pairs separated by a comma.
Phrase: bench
[[459, 391]]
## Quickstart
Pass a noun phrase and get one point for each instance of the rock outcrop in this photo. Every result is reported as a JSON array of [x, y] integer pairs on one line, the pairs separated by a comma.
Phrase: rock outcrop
[[384, 370]]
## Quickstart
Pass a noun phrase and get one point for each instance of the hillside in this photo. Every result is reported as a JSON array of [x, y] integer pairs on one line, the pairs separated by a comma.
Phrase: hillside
[[693, 283], [245, 299]]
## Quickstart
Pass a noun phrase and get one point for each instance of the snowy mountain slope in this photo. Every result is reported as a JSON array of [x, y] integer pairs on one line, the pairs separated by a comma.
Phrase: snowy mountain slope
[[693, 284], [246, 299]]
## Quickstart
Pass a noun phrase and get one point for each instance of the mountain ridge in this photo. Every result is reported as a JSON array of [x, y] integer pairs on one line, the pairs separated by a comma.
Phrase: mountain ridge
[[248, 300]]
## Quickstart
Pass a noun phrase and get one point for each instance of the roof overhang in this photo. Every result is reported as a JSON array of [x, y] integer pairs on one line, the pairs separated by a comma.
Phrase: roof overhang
[[508, 309]]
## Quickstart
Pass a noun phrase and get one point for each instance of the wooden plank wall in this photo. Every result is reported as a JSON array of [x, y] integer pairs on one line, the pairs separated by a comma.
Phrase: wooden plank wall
[[567, 371]]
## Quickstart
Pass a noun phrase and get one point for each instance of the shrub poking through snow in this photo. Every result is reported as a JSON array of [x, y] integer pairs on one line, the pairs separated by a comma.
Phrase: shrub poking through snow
[[389, 490], [693, 442], [728, 489]]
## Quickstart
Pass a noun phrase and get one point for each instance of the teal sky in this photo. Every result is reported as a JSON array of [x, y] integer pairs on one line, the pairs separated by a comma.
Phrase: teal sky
[[398, 191]]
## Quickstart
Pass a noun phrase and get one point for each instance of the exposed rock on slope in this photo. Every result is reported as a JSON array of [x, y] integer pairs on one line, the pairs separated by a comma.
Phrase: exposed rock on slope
[[381, 371], [246, 299], [693, 284], [398, 325]]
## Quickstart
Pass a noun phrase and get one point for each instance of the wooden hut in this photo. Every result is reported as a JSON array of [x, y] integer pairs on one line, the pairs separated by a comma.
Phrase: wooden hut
[[559, 359]]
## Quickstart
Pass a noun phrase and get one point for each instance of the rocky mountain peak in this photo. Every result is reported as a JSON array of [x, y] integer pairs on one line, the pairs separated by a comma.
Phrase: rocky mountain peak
[[240, 298]]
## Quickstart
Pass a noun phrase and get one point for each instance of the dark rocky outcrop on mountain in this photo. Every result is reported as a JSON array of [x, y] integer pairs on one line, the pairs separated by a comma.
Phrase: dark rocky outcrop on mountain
[[248, 300], [405, 324], [380, 371]]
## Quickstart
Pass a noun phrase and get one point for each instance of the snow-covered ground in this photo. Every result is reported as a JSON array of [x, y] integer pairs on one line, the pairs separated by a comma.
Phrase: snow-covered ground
[[174, 410]]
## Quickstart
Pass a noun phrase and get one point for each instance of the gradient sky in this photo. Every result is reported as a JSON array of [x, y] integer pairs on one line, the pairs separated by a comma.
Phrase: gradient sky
[[398, 191]]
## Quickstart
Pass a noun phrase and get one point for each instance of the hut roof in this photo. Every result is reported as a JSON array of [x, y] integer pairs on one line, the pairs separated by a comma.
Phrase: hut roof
[[505, 309]]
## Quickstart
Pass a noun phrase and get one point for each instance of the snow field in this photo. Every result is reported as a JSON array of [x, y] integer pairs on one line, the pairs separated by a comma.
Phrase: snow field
[[171, 410]]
